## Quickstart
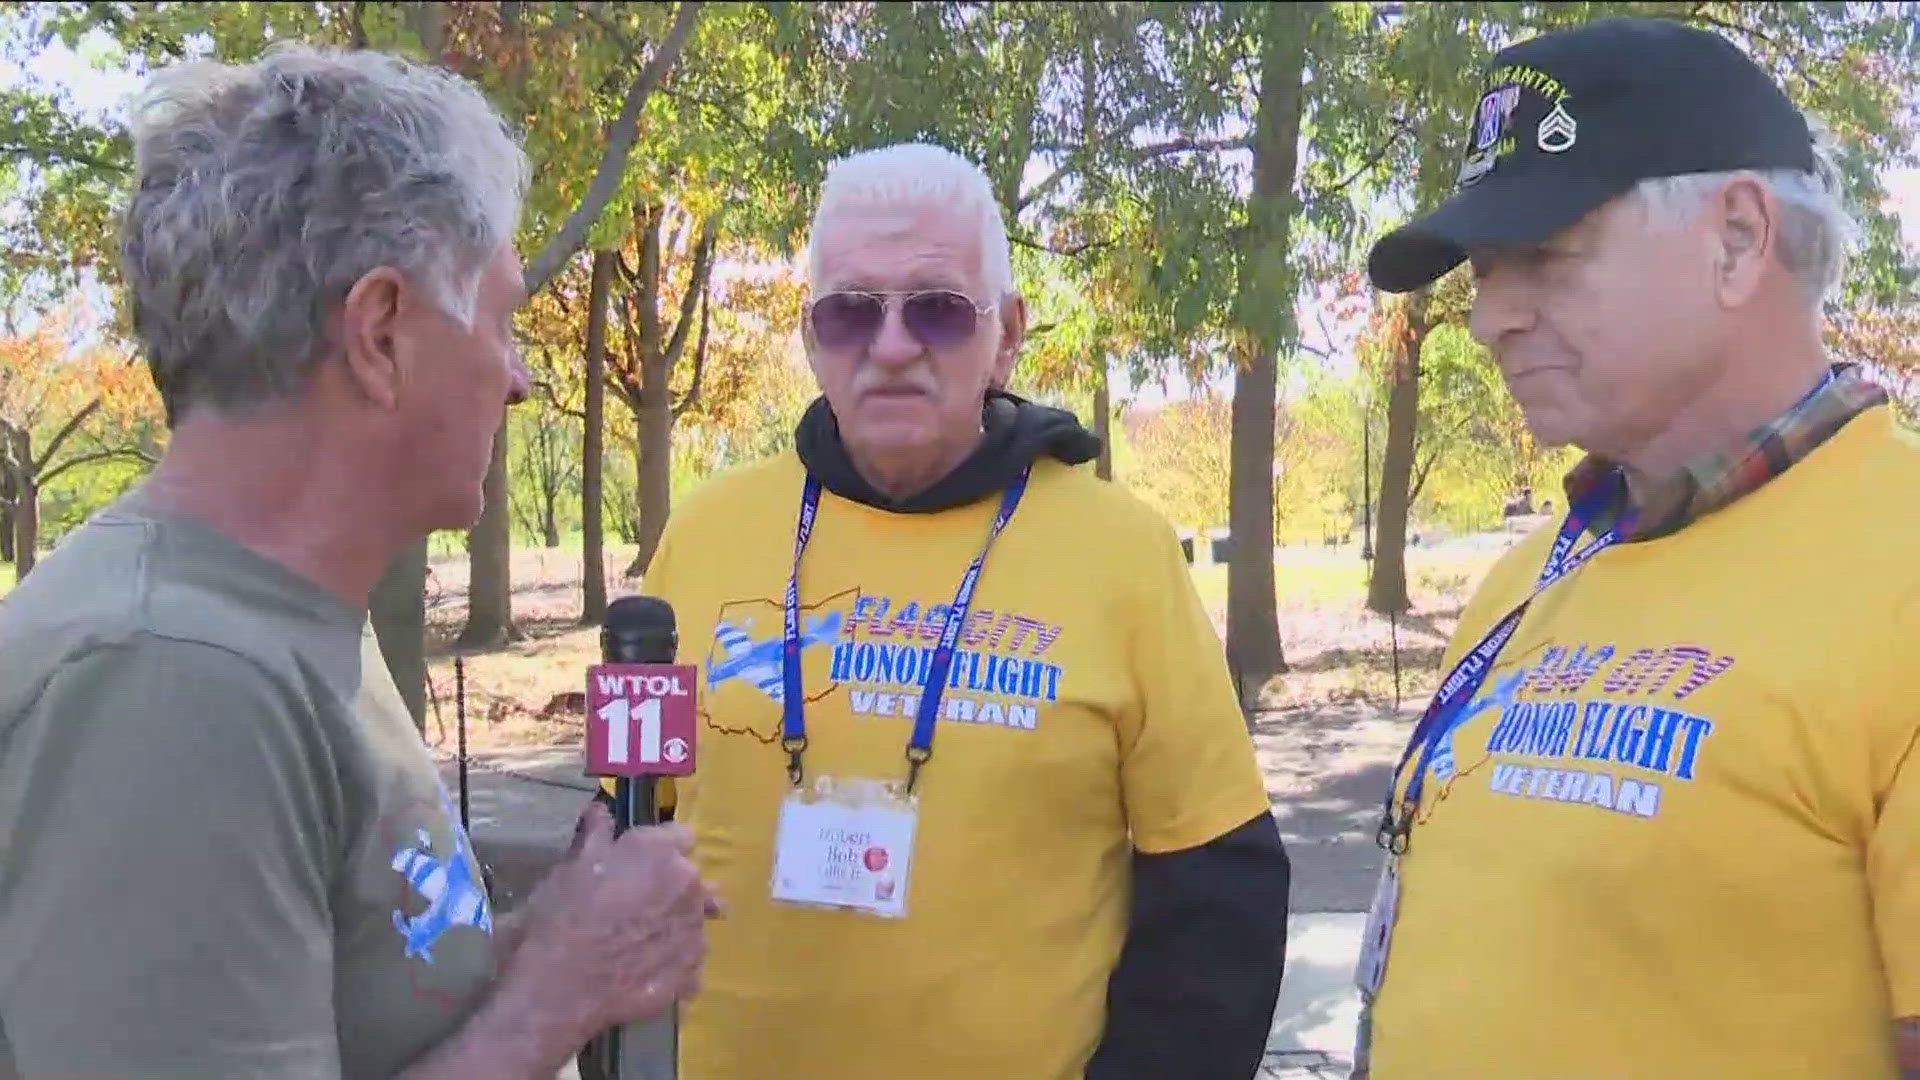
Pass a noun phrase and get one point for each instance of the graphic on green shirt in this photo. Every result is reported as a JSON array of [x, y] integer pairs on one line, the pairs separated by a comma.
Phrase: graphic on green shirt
[[453, 897]]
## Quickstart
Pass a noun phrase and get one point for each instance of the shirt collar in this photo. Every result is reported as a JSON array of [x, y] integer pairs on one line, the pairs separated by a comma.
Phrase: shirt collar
[[1713, 481]]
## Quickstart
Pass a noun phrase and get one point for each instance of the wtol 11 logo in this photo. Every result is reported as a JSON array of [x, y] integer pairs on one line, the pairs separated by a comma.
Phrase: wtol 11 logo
[[641, 719]]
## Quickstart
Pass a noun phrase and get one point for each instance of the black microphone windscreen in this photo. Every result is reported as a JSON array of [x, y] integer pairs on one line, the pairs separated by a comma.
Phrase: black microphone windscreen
[[641, 613], [639, 630]]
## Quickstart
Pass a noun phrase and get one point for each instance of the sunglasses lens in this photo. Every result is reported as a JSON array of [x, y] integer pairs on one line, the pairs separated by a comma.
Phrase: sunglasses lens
[[847, 320], [940, 320]]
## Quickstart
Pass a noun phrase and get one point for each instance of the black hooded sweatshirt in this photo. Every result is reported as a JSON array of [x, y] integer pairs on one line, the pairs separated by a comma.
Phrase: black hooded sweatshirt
[[1192, 997]]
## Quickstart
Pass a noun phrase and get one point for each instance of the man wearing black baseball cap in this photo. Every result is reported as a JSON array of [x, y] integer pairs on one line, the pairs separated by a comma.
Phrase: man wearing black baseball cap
[[1663, 816]]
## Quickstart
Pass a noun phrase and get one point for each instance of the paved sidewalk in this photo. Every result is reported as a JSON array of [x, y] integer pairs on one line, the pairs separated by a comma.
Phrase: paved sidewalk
[[1313, 1026]]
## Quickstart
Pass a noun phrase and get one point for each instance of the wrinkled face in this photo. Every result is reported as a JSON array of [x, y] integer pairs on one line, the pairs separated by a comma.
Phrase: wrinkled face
[[906, 373], [457, 386], [1604, 332]]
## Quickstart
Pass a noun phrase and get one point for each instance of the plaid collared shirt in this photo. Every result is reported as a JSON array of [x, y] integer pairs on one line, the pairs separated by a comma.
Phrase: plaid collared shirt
[[1716, 480]]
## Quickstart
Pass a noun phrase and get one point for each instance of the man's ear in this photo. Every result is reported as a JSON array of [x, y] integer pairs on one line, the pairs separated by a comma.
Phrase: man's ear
[[369, 324], [1746, 230], [1013, 334]]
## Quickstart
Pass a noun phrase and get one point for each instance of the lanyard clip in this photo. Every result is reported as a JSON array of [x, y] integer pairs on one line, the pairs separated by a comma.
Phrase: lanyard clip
[[1394, 831], [916, 757], [794, 748]]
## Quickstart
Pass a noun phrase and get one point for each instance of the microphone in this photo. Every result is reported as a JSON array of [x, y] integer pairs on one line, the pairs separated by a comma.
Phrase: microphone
[[641, 720]]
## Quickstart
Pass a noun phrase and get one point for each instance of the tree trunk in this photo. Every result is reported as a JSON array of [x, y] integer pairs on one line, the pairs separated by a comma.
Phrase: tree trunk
[[593, 544], [1253, 621], [6, 512], [655, 420], [489, 561], [26, 528], [1263, 306], [1102, 420], [398, 610], [652, 400], [26, 501], [550, 519], [1387, 592]]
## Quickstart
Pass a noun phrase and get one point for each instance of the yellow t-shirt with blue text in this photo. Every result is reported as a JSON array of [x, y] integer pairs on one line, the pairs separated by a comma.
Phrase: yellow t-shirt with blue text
[[1682, 834], [1088, 713]]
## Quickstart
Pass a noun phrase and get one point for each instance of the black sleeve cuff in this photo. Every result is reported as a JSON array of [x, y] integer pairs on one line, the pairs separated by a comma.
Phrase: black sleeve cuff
[[1193, 994]]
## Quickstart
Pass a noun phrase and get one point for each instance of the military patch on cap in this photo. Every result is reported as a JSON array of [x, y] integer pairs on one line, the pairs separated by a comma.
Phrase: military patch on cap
[[1492, 138], [1489, 129], [1557, 131], [1496, 109]]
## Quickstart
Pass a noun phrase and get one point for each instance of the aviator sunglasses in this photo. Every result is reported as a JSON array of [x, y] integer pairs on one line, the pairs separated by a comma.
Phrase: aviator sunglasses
[[937, 318]]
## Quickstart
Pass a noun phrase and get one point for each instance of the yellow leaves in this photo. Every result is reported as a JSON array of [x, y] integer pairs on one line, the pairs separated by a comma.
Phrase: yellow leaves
[[1180, 459], [51, 373]]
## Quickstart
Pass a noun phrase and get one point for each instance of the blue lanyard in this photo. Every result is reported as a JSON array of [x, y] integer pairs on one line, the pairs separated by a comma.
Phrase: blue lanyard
[[793, 724], [1470, 673]]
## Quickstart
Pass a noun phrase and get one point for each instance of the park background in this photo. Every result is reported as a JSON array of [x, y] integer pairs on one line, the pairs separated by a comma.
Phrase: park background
[[1190, 189]]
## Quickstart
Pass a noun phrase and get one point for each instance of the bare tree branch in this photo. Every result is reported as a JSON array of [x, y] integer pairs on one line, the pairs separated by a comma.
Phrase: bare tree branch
[[77, 460], [725, 111], [1184, 145], [620, 139], [628, 275], [1070, 251], [1421, 471], [696, 288], [66, 431], [1076, 154], [624, 379], [546, 389], [1401, 129], [59, 154], [699, 353], [628, 46]]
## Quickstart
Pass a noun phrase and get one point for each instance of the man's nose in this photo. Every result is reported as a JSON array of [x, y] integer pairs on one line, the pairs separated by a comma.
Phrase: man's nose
[[894, 345], [1501, 305]]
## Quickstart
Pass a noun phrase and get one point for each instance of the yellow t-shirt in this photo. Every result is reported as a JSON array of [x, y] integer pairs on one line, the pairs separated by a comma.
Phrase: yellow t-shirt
[[1683, 836], [1091, 713]]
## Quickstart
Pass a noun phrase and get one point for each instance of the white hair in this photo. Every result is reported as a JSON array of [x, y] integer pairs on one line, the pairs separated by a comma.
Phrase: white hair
[[917, 174], [1816, 232], [264, 191]]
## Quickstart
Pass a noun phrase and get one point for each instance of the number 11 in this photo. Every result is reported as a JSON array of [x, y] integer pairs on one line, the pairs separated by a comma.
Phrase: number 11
[[615, 714]]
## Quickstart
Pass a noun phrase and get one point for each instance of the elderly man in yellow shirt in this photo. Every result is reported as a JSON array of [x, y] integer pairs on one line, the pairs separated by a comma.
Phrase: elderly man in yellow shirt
[[973, 777], [1663, 817]]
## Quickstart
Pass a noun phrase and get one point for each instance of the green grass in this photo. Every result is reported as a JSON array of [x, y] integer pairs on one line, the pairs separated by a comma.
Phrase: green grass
[[1331, 576]]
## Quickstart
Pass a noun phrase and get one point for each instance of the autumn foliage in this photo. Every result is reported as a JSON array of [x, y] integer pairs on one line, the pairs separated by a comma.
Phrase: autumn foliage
[[71, 408]]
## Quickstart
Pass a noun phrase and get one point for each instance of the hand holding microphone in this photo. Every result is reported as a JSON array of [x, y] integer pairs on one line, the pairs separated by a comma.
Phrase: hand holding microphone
[[620, 923]]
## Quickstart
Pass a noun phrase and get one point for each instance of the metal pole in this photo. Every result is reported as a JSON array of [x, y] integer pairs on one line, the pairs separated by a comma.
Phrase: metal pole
[[460, 725]]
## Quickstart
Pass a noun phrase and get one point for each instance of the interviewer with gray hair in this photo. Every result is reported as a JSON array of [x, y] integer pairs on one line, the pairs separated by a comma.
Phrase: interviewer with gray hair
[[224, 849]]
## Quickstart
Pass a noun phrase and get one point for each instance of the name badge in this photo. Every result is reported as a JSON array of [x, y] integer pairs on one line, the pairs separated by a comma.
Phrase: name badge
[[1372, 969], [846, 844]]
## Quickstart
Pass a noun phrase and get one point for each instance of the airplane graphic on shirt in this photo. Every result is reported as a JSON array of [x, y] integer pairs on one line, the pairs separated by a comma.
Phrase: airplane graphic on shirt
[[454, 896], [758, 662]]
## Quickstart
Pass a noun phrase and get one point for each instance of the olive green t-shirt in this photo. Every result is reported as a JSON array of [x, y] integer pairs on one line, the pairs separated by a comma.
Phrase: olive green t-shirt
[[224, 849]]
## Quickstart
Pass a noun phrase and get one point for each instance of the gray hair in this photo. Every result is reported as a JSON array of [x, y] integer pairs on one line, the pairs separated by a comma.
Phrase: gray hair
[[918, 174], [1816, 232], [264, 191]]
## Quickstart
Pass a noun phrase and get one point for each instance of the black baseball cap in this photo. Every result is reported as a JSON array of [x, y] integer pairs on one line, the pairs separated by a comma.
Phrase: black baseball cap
[[1571, 119]]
